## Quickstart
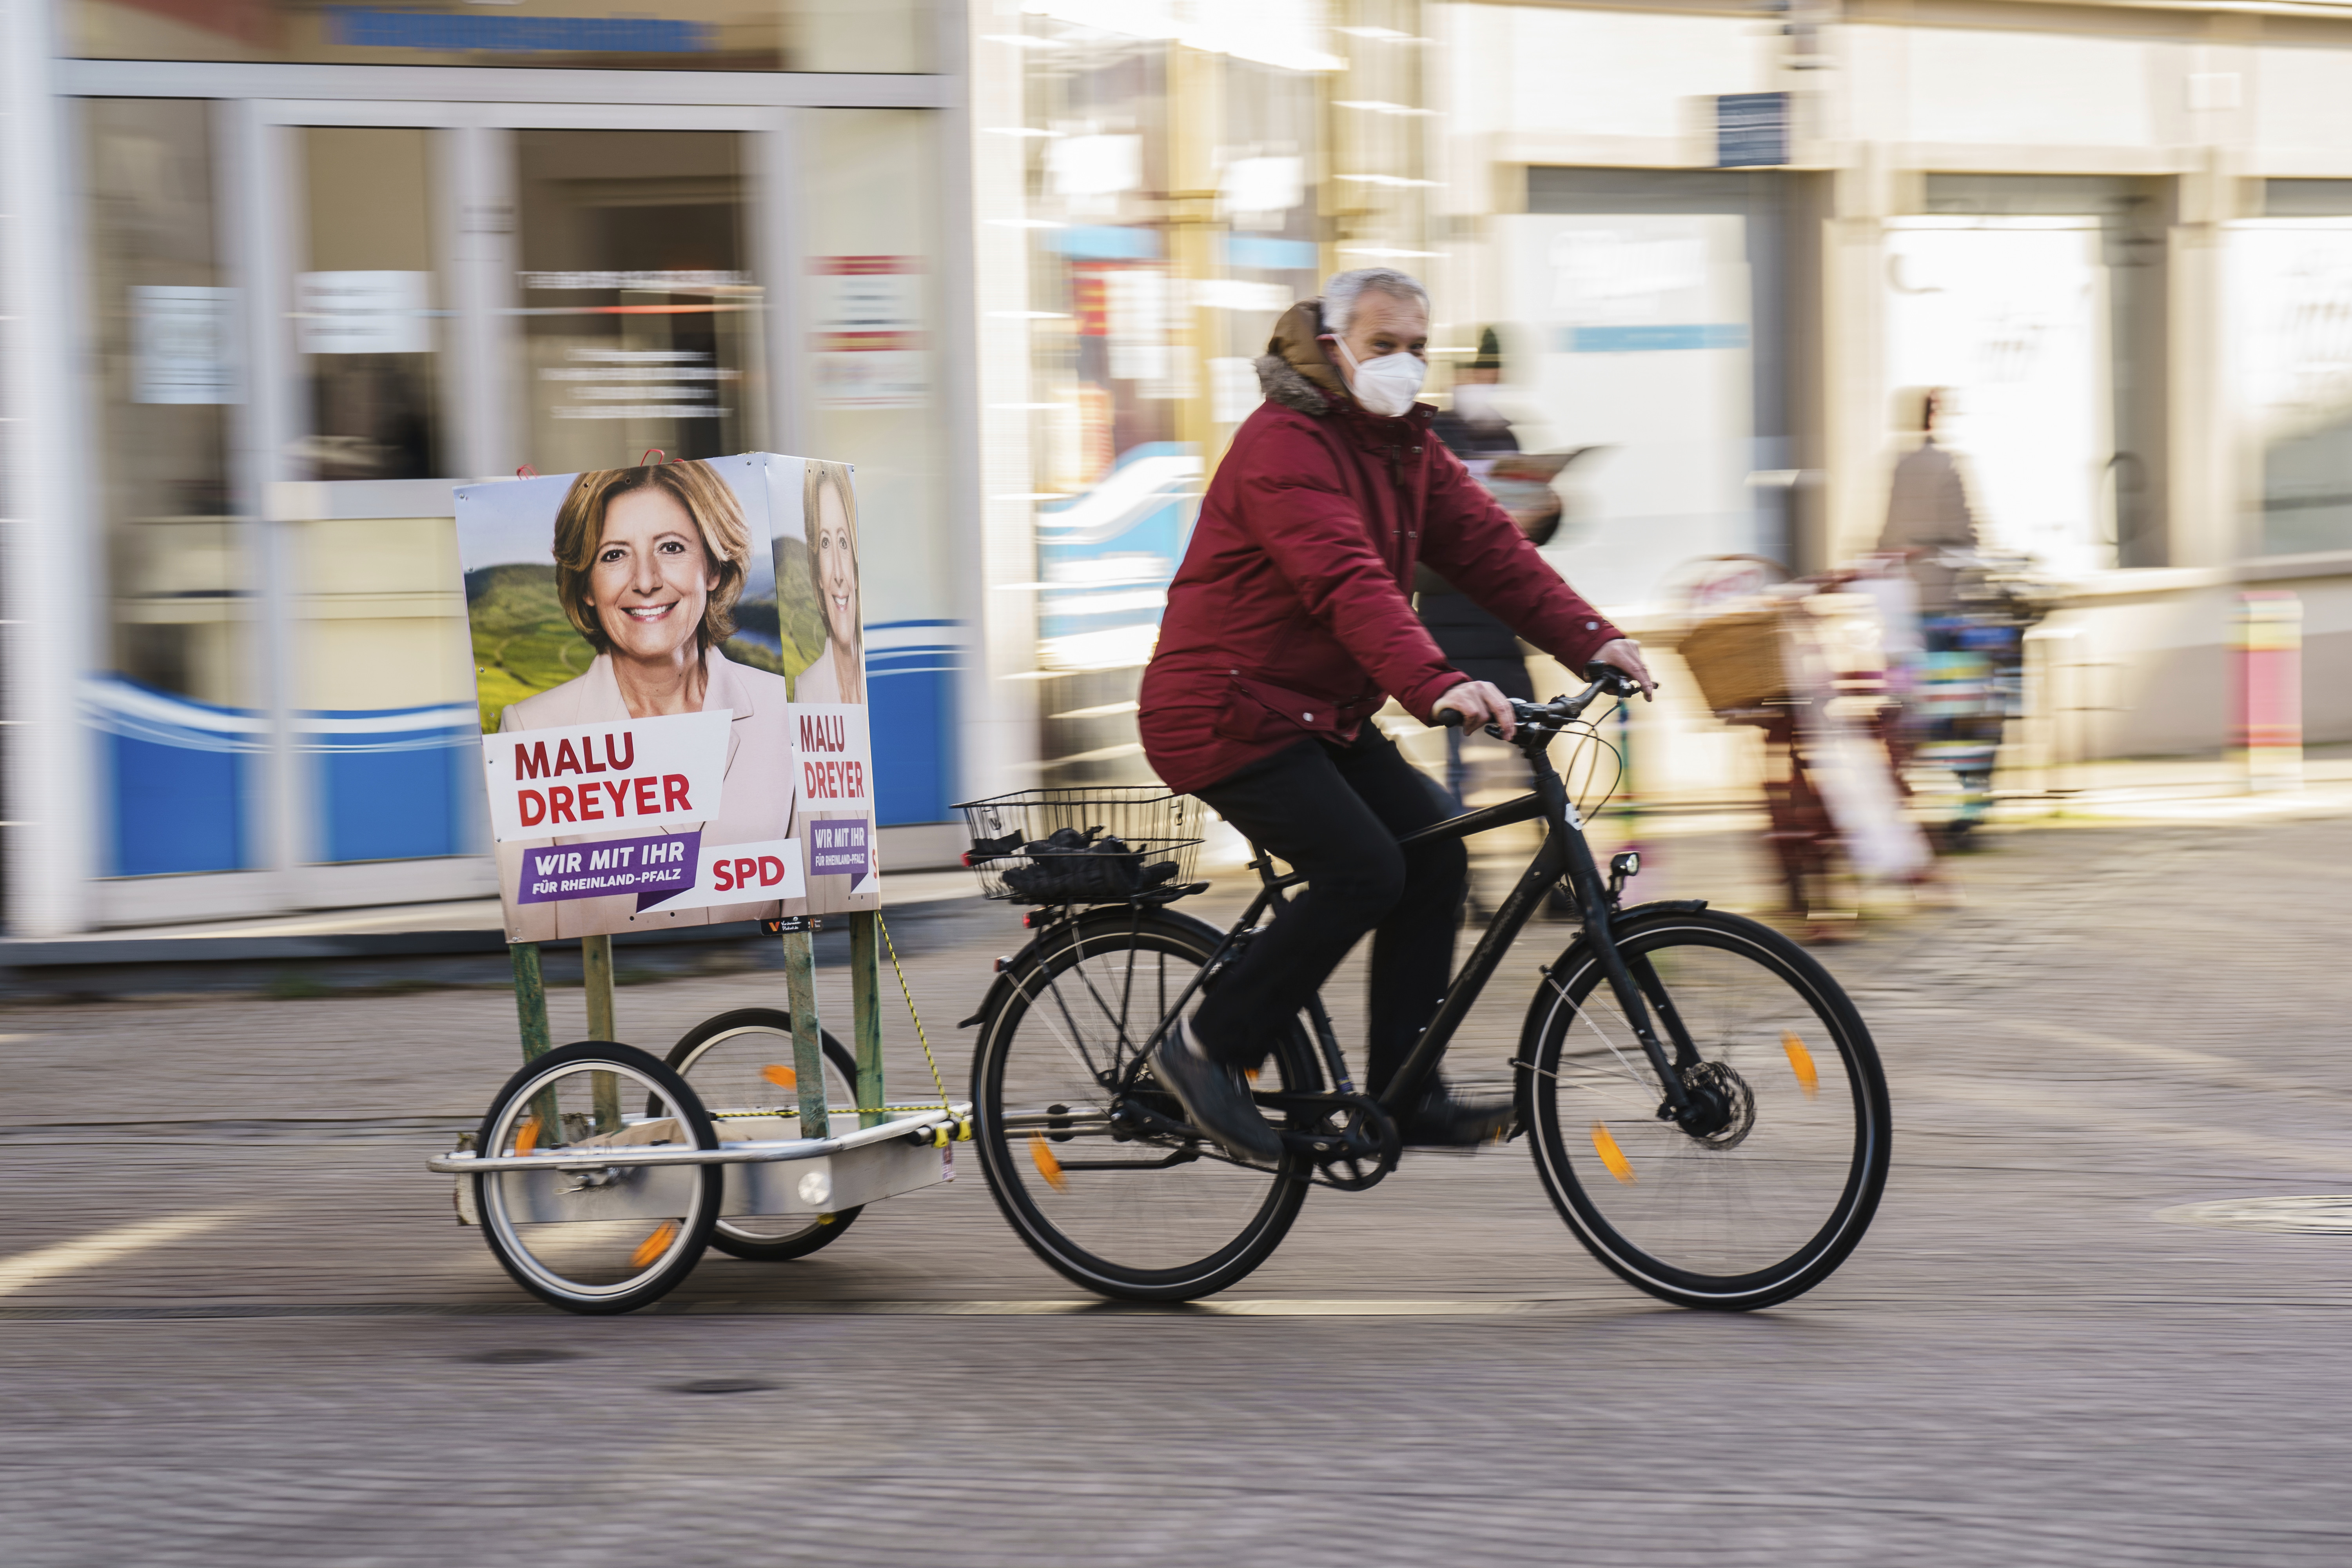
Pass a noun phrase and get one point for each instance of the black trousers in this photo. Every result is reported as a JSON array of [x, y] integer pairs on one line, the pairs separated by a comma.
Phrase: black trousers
[[1336, 813]]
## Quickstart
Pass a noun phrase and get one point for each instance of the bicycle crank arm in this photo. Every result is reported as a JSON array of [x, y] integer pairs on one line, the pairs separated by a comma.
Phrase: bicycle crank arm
[[1184, 1156], [1322, 1146]]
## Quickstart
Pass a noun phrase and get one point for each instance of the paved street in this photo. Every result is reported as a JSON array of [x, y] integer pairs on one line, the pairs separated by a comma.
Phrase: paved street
[[238, 1323]]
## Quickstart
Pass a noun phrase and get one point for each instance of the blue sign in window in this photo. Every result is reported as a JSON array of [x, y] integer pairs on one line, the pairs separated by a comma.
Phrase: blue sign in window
[[1647, 340], [457, 31]]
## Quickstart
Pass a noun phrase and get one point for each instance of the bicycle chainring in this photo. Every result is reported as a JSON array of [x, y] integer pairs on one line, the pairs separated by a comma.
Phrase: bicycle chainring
[[1368, 1149]]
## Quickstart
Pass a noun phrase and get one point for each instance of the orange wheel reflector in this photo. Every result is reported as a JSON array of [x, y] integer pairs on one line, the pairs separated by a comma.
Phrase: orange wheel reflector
[[779, 1074], [1610, 1155], [1042, 1156], [1809, 1078], [650, 1250], [1250, 1073], [527, 1135]]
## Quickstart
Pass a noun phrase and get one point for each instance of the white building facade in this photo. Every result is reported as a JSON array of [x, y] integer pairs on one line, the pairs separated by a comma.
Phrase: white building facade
[[278, 275]]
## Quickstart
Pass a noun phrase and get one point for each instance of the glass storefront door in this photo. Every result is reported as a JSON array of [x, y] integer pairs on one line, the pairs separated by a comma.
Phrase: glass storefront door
[[288, 694], [640, 319], [179, 741]]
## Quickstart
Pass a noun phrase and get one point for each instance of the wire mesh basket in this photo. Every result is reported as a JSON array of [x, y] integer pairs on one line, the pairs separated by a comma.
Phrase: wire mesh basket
[[1081, 846]]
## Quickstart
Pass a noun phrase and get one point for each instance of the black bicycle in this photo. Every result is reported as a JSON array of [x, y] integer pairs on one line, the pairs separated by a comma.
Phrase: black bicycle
[[1704, 1104]]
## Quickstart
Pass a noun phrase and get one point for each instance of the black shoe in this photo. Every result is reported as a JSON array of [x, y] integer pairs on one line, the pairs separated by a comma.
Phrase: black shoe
[[1216, 1098], [1442, 1122]]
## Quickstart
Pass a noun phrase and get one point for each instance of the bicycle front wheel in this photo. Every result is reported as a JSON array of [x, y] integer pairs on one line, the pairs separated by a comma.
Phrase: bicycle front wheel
[[1092, 1162], [1766, 1194]]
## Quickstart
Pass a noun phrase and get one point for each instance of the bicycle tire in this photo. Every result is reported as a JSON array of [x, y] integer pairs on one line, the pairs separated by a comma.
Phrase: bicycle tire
[[581, 1260], [1071, 1225], [751, 1240], [1688, 1219]]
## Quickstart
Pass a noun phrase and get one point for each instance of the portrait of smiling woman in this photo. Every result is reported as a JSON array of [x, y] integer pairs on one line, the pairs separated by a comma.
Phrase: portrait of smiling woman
[[649, 565], [829, 512]]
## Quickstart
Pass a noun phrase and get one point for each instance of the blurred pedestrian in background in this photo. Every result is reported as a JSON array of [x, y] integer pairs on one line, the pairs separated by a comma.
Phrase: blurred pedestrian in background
[[1953, 710], [1928, 511], [1478, 642]]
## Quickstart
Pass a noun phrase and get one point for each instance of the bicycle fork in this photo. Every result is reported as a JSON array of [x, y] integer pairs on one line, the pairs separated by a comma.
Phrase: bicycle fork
[[1592, 898]]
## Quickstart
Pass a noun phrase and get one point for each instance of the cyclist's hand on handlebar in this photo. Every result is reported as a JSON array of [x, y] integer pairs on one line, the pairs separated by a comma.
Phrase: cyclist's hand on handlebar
[[1479, 702], [1626, 655]]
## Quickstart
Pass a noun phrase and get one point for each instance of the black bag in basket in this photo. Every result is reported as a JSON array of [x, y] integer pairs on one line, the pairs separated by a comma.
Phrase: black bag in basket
[[1075, 867]]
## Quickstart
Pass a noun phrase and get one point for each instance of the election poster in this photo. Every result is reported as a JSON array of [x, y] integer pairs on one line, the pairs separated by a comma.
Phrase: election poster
[[815, 533], [636, 646]]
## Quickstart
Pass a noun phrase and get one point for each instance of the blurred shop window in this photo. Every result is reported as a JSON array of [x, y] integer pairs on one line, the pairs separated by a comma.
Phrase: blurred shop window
[[867, 279], [182, 743], [364, 320], [2290, 323], [876, 36], [1173, 221], [1645, 312], [641, 319], [382, 687], [2041, 302]]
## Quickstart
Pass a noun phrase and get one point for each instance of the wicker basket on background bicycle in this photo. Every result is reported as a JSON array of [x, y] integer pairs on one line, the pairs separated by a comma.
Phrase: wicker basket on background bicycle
[[1737, 658], [1092, 846]]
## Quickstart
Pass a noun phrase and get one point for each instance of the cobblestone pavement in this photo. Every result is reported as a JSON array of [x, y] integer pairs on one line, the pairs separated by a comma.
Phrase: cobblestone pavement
[[237, 1325]]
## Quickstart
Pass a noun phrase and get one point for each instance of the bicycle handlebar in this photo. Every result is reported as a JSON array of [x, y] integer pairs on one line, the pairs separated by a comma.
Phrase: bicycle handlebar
[[1604, 678]]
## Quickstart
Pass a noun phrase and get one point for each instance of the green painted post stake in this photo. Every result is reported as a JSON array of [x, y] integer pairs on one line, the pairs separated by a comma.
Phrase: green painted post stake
[[596, 978], [531, 999], [865, 1001], [808, 1050], [530, 1011]]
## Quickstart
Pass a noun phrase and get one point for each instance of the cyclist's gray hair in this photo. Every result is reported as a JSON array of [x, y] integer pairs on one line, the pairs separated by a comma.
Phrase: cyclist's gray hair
[[1340, 293]]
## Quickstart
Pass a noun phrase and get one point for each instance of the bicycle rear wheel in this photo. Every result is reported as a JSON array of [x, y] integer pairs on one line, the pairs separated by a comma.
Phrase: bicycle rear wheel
[[1092, 1176], [1766, 1200]]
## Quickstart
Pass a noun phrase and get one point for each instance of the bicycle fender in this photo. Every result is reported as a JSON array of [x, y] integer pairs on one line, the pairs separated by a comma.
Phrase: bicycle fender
[[1662, 907]]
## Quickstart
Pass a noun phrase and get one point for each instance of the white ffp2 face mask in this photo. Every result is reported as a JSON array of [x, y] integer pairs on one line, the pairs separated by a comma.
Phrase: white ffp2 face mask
[[1386, 385]]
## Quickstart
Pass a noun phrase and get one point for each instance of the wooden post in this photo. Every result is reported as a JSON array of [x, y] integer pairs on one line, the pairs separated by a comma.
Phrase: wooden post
[[596, 979], [596, 976], [866, 1003], [531, 999], [808, 1049]]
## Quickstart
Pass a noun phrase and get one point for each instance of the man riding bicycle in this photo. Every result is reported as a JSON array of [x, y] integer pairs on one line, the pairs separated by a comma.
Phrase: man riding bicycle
[[1287, 626]]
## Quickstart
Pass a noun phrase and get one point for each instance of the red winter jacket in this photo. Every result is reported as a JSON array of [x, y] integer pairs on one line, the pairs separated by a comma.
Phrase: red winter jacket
[[1291, 615]]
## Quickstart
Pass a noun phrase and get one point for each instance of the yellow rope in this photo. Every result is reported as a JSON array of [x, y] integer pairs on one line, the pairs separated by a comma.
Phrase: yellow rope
[[963, 1124], [788, 1110]]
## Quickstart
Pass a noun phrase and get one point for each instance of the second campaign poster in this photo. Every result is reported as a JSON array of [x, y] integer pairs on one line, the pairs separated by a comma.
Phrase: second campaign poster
[[671, 673]]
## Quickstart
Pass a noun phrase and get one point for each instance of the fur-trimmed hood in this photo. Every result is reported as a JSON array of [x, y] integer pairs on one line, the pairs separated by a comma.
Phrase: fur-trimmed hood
[[1293, 370]]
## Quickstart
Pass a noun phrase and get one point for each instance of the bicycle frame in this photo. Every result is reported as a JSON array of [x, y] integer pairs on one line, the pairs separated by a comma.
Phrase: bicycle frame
[[1564, 853]]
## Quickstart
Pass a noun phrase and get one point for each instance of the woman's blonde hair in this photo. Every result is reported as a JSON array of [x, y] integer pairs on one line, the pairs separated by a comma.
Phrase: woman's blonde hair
[[816, 478], [717, 516]]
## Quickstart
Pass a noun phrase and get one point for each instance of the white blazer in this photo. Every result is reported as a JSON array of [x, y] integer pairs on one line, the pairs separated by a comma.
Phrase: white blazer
[[755, 803]]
